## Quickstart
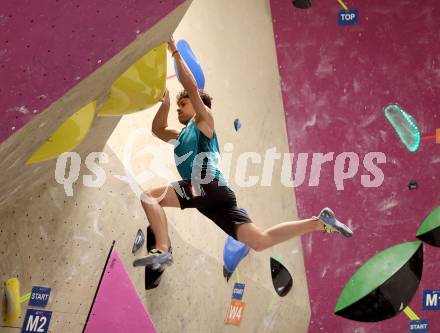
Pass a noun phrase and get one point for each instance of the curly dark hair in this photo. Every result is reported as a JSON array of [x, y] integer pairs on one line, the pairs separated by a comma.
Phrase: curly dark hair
[[206, 98]]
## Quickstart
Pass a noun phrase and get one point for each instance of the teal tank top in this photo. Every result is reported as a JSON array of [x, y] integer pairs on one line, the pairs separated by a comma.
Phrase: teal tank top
[[196, 155]]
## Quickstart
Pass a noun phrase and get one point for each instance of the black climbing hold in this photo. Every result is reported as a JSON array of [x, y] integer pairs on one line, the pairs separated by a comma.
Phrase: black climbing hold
[[429, 231], [281, 278], [151, 240], [391, 296], [302, 4], [412, 185], [226, 274], [152, 277]]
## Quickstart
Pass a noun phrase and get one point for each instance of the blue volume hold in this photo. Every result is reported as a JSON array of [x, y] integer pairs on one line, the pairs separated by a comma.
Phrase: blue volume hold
[[233, 252], [192, 63]]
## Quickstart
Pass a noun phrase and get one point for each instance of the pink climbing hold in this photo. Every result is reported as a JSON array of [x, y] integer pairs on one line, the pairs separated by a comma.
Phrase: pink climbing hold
[[118, 308]]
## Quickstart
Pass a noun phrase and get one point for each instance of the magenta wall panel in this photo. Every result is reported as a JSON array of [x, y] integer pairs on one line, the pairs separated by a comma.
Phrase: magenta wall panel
[[336, 81], [48, 46]]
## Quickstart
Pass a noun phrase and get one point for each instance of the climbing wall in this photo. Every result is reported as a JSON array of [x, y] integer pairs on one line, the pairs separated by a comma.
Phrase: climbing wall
[[57, 57], [336, 81], [245, 88], [62, 241], [52, 64], [49, 47]]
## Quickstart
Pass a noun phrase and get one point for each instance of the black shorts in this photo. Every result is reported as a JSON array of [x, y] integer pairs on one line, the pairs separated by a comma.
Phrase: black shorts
[[217, 202]]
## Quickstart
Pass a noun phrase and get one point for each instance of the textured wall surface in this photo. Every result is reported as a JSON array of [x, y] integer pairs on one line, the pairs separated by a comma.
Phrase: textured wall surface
[[62, 241], [46, 48], [336, 82], [242, 76], [15, 151]]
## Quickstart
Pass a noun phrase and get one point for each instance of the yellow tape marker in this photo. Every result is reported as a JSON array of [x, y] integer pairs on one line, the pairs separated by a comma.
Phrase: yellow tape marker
[[238, 275], [25, 297], [410, 313], [343, 4], [437, 135]]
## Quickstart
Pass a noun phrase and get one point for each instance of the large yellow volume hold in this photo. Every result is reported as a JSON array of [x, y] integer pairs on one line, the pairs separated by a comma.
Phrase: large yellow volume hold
[[66, 137], [140, 86], [13, 308]]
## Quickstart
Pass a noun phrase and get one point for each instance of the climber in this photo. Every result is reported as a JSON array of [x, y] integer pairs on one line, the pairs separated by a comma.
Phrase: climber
[[203, 185]]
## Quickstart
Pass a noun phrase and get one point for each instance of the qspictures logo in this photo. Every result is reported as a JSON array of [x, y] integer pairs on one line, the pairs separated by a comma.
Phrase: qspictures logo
[[162, 165]]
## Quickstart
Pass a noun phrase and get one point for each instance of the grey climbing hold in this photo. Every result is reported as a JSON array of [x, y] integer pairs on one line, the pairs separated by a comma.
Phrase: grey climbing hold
[[138, 241]]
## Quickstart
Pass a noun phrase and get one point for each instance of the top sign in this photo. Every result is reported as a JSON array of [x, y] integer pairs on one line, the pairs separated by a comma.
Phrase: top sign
[[39, 296], [348, 17]]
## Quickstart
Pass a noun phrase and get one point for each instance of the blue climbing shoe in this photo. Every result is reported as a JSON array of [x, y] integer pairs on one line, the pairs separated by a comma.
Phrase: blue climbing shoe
[[155, 259], [331, 224]]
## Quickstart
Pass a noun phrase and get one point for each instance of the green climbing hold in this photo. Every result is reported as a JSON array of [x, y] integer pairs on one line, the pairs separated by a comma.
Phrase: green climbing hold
[[384, 285], [405, 127], [429, 231], [279, 258]]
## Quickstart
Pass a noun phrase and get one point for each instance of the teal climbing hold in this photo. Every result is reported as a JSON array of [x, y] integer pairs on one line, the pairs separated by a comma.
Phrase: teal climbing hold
[[405, 126]]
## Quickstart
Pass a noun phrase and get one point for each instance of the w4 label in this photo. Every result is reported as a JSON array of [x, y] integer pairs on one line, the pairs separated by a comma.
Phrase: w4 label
[[36, 321], [235, 312]]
